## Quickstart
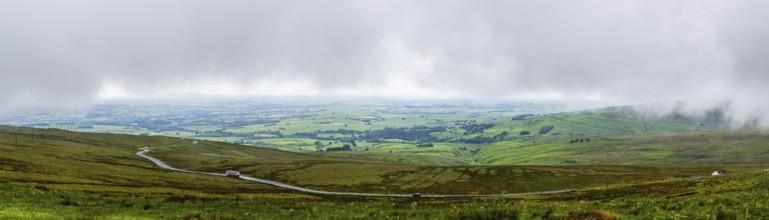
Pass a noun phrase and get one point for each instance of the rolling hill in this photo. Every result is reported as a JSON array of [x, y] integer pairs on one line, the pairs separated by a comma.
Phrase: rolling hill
[[49, 174]]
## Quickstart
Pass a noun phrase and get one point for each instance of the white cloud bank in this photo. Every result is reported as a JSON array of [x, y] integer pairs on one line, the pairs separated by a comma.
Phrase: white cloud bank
[[71, 53]]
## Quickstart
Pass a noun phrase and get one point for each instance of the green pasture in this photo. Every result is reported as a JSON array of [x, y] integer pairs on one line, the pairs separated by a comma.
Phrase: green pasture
[[654, 148]]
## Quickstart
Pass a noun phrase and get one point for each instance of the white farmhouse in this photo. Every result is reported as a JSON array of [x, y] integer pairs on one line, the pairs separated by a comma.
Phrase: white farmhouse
[[719, 172]]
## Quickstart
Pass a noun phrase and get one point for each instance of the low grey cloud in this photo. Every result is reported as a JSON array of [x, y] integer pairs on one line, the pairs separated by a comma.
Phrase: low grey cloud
[[62, 53]]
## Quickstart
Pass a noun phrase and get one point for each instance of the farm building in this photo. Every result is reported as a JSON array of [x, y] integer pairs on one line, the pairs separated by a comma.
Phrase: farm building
[[719, 172]]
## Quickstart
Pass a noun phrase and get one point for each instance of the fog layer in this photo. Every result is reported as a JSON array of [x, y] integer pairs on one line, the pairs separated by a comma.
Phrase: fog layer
[[71, 53]]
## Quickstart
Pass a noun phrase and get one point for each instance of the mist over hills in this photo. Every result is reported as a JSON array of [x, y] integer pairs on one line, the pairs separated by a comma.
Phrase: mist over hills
[[72, 54], [721, 116]]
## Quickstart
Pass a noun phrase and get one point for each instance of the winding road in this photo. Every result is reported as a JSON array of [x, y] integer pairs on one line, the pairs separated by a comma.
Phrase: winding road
[[312, 191]]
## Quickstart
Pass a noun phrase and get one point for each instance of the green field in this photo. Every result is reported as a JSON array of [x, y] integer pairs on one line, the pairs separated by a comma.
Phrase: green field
[[653, 148], [462, 133], [58, 174]]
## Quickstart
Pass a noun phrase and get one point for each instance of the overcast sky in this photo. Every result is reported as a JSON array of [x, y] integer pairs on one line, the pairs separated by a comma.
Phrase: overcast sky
[[72, 53]]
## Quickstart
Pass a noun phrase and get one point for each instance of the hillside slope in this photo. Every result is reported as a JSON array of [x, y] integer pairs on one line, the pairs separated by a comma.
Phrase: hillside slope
[[636, 149], [97, 162], [54, 174]]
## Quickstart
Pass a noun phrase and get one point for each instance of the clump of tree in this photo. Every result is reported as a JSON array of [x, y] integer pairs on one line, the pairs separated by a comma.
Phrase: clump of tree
[[715, 118], [252, 122], [479, 140], [216, 133], [268, 132], [314, 135], [579, 140], [416, 133], [472, 128], [425, 145], [524, 133], [501, 136], [521, 117], [345, 147], [546, 129]]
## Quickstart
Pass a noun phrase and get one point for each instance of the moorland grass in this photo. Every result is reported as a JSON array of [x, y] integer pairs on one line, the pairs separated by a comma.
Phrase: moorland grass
[[53, 174]]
